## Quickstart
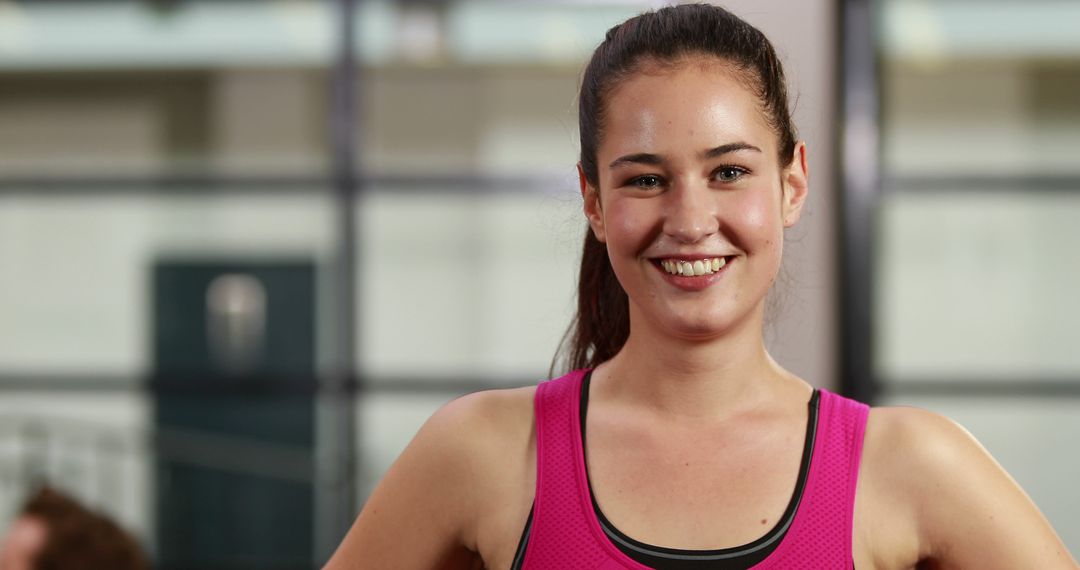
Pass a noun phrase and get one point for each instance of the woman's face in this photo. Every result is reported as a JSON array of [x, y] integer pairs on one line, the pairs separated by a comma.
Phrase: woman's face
[[692, 201]]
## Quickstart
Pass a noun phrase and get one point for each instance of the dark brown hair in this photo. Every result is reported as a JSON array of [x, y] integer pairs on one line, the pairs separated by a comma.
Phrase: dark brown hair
[[602, 323], [79, 539]]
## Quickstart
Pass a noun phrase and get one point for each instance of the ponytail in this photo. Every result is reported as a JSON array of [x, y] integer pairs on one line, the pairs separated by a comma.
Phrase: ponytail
[[602, 324]]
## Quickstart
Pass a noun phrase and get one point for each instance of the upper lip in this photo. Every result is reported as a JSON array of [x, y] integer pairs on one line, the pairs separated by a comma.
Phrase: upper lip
[[691, 256]]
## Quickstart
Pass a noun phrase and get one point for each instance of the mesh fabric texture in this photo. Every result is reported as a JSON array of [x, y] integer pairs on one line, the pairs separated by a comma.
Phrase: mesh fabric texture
[[565, 533]]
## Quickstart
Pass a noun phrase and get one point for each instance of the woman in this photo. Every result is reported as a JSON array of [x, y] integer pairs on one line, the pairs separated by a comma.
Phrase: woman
[[702, 452]]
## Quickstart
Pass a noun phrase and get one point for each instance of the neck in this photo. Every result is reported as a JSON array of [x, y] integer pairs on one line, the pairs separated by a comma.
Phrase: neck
[[694, 378]]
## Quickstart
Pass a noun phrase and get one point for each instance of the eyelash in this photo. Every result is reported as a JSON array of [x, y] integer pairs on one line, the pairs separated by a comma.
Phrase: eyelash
[[740, 170], [637, 181]]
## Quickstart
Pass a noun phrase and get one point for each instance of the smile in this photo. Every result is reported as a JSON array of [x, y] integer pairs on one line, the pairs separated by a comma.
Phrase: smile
[[695, 267]]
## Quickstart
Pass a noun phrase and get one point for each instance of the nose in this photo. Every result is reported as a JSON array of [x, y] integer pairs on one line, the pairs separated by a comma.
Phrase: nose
[[690, 214]]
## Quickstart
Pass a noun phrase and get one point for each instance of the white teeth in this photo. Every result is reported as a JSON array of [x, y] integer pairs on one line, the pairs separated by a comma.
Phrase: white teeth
[[693, 268]]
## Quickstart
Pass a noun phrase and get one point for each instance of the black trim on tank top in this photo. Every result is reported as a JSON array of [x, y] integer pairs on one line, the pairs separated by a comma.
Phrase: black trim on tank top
[[662, 558], [519, 555]]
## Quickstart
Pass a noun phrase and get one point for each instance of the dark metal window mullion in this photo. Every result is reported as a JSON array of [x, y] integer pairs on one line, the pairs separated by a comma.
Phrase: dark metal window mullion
[[335, 490], [859, 157]]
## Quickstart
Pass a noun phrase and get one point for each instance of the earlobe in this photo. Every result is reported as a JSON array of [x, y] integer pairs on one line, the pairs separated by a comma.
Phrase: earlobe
[[796, 186], [594, 213]]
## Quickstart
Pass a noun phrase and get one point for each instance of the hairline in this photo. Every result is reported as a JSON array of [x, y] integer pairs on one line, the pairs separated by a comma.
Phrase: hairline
[[658, 64]]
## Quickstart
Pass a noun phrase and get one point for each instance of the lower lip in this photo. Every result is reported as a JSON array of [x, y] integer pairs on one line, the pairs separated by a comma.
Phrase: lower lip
[[694, 282]]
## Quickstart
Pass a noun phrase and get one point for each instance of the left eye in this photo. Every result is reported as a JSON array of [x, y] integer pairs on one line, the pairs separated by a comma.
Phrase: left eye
[[647, 181], [728, 173]]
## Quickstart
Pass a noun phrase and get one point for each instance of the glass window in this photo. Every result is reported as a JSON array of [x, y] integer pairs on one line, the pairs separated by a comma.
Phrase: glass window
[[975, 267], [478, 285], [192, 88], [980, 122]]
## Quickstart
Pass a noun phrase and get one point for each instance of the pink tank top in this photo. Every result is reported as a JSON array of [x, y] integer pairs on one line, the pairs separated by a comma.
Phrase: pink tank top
[[565, 532]]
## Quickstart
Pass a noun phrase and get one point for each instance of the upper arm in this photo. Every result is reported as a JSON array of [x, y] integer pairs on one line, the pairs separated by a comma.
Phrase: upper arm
[[967, 511], [423, 514]]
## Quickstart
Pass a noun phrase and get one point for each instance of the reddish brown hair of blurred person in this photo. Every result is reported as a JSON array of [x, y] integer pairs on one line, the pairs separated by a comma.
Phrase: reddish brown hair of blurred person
[[80, 539]]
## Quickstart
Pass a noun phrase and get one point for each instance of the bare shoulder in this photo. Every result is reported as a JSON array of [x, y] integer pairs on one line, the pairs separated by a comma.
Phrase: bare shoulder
[[494, 429], [508, 408], [470, 432], [502, 429], [948, 500], [488, 437], [477, 422], [916, 437], [470, 455]]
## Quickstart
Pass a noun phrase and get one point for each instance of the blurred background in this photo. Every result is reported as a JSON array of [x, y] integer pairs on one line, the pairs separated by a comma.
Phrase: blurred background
[[248, 247]]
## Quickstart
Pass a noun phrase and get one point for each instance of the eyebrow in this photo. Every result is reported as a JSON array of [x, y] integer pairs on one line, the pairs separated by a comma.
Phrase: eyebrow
[[650, 158], [730, 147]]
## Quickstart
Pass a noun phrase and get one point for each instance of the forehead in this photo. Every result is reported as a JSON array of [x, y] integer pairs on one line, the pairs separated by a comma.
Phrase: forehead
[[700, 102]]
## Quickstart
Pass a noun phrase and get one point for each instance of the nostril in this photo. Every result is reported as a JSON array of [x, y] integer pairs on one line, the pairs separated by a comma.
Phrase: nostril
[[690, 229]]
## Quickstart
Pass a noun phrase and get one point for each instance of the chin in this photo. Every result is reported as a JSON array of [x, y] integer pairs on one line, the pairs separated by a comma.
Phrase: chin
[[698, 329], [687, 321]]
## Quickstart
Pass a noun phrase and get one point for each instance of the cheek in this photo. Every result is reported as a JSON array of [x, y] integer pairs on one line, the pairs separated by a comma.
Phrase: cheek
[[758, 219], [753, 215], [627, 229]]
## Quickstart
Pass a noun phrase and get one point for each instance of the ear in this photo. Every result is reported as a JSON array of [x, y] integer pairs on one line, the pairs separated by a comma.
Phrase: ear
[[593, 212], [796, 185]]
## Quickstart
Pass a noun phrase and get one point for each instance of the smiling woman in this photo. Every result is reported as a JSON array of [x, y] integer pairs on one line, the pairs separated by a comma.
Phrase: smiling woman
[[706, 187], [702, 452]]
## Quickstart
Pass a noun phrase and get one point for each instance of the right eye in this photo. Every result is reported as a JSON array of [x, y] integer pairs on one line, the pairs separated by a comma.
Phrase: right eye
[[646, 181]]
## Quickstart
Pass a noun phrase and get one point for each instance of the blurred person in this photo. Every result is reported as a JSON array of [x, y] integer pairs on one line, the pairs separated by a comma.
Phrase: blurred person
[[54, 532], [702, 451]]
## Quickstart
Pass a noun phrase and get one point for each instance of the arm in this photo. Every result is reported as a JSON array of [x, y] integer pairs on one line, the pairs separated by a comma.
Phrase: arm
[[422, 513], [965, 510]]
